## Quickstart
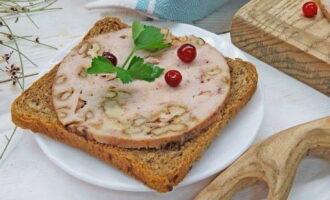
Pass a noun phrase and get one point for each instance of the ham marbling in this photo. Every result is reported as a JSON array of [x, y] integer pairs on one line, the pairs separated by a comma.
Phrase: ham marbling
[[139, 114]]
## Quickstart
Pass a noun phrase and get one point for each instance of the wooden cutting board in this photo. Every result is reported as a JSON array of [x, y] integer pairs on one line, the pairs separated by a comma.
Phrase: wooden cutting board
[[274, 161], [278, 33]]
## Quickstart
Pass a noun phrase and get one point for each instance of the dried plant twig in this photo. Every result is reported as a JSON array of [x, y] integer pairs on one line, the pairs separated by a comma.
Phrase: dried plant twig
[[15, 72], [8, 142], [26, 76]]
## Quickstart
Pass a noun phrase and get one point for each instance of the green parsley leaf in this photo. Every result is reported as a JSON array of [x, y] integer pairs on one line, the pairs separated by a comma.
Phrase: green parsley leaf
[[143, 71], [137, 28], [137, 69], [124, 75], [101, 65], [147, 37]]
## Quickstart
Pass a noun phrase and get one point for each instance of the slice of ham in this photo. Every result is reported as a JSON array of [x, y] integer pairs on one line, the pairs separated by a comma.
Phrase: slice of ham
[[140, 114]]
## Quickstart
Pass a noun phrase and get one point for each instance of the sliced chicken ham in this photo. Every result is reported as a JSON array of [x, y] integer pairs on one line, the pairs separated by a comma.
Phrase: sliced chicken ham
[[140, 114]]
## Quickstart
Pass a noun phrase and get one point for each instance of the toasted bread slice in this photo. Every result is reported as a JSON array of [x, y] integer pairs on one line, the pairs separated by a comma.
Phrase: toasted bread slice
[[325, 7], [160, 169]]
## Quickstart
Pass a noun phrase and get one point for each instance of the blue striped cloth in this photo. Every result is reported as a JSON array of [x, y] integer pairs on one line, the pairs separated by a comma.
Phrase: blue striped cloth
[[177, 10], [181, 10]]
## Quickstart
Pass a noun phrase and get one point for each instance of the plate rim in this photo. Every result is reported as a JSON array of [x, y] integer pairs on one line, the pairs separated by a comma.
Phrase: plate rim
[[142, 187]]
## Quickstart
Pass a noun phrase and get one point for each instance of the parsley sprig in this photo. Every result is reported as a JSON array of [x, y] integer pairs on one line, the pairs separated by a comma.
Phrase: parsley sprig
[[134, 68]]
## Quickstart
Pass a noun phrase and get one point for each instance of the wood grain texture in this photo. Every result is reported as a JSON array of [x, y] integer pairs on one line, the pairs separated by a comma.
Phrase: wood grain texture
[[274, 161], [277, 33]]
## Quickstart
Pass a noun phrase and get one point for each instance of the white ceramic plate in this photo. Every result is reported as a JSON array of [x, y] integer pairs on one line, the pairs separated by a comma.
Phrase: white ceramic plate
[[234, 140]]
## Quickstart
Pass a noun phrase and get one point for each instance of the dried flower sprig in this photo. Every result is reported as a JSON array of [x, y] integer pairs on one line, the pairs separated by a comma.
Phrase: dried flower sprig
[[13, 71], [6, 57], [16, 71], [36, 40], [15, 7], [15, 49]]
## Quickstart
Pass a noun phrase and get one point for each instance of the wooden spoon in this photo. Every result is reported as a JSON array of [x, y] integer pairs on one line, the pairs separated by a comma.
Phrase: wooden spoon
[[273, 161]]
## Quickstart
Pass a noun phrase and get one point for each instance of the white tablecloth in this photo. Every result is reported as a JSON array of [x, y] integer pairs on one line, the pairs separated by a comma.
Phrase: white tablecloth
[[26, 173]]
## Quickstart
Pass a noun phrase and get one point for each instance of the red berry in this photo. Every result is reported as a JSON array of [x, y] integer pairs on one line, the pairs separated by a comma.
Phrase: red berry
[[310, 9], [112, 58], [173, 78], [187, 53]]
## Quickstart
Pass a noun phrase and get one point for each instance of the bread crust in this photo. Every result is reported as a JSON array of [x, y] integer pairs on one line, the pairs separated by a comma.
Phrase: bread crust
[[141, 164]]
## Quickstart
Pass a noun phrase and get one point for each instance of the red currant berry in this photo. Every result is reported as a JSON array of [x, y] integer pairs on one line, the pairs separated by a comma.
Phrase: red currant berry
[[187, 53], [173, 78], [112, 58], [310, 9]]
